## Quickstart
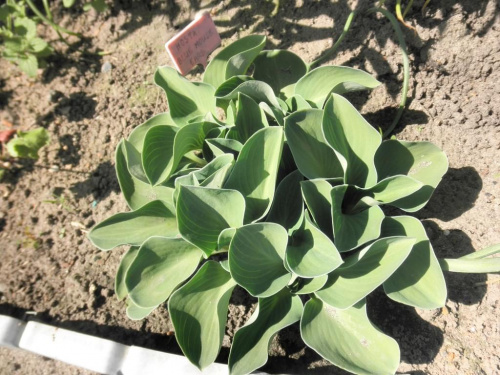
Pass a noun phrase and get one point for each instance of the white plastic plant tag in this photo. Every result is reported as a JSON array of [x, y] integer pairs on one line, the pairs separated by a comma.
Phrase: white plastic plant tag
[[194, 43]]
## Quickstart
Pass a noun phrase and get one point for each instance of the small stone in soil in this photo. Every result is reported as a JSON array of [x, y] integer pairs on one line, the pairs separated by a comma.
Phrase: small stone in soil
[[106, 67]]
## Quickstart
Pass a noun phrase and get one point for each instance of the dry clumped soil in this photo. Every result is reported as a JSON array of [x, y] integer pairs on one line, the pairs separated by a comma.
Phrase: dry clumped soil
[[50, 272]]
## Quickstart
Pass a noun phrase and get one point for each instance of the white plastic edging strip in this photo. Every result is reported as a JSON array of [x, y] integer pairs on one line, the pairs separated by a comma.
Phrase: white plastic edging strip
[[146, 361], [96, 354], [89, 352], [11, 331]]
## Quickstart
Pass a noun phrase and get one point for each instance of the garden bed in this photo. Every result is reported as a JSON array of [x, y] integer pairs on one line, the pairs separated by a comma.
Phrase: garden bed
[[50, 272]]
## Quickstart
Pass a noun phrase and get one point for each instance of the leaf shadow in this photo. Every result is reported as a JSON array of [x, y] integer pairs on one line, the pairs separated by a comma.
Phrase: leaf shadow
[[100, 184]]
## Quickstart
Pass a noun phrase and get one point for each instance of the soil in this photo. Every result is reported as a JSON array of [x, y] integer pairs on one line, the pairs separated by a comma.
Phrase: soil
[[50, 272]]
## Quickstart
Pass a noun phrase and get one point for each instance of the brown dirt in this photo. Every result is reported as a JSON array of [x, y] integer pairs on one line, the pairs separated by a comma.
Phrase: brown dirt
[[49, 267]]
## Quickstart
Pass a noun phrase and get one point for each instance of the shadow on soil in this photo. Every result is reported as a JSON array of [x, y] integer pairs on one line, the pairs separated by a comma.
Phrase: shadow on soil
[[100, 184], [455, 194], [5, 95]]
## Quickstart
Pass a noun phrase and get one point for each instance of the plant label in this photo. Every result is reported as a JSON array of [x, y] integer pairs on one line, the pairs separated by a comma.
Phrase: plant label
[[194, 43]]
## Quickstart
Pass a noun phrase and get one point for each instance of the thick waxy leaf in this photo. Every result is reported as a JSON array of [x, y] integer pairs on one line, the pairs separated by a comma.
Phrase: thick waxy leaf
[[364, 271], [257, 90], [136, 192], [308, 286], [203, 213], [354, 140], [254, 173], [135, 312], [133, 228], [297, 103], [157, 154], [251, 342], [287, 208], [189, 138], [249, 119], [234, 59], [159, 267], [279, 68], [353, 230], [310, 252], [317, 85], [314, 157], [199, 312], [390, 189], [134, 162], [229, 86], [419, 281], [186, 99], [127, 259], [136, 138], [256, 258], [220, 146], [422, 161], [213, 175], [317, 195], [348, 339]]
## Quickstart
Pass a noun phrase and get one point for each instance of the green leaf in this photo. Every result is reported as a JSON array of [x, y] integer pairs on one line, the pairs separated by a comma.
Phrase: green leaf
[[133, 228], [419, 281], [353, 139], [25, 27], [310, 253], [136, 192], [187, 100], [468, 265], [314, 157], [257, 90], [348, 339], [137, 136], [27, 144], [364, 271], [98, 5], [40, 47], [255, 171], [251, 342], [68, 3], [287, 208], [256, 257], [317, 195], [159, 267], [422, 161], [234, 59], [127, 259], [308, 286], [296, 103], [135, 312], [199, 312], [249, 119], [353, 230], [230, 85], [157, 154], [317, 85], [220, 146], [390, 189], [279, 68], [203, 213], [134, 162]]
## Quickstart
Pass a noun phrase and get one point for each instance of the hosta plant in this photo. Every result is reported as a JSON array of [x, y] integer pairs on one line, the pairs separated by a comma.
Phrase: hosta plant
[[266, 177]]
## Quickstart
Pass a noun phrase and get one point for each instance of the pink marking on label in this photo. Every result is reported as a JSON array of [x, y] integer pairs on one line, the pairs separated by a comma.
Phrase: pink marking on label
[[194, 43]]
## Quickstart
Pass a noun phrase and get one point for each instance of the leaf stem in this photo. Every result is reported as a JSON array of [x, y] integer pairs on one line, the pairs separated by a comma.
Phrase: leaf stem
[[406, 67], [49, 22], [333, 48]]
